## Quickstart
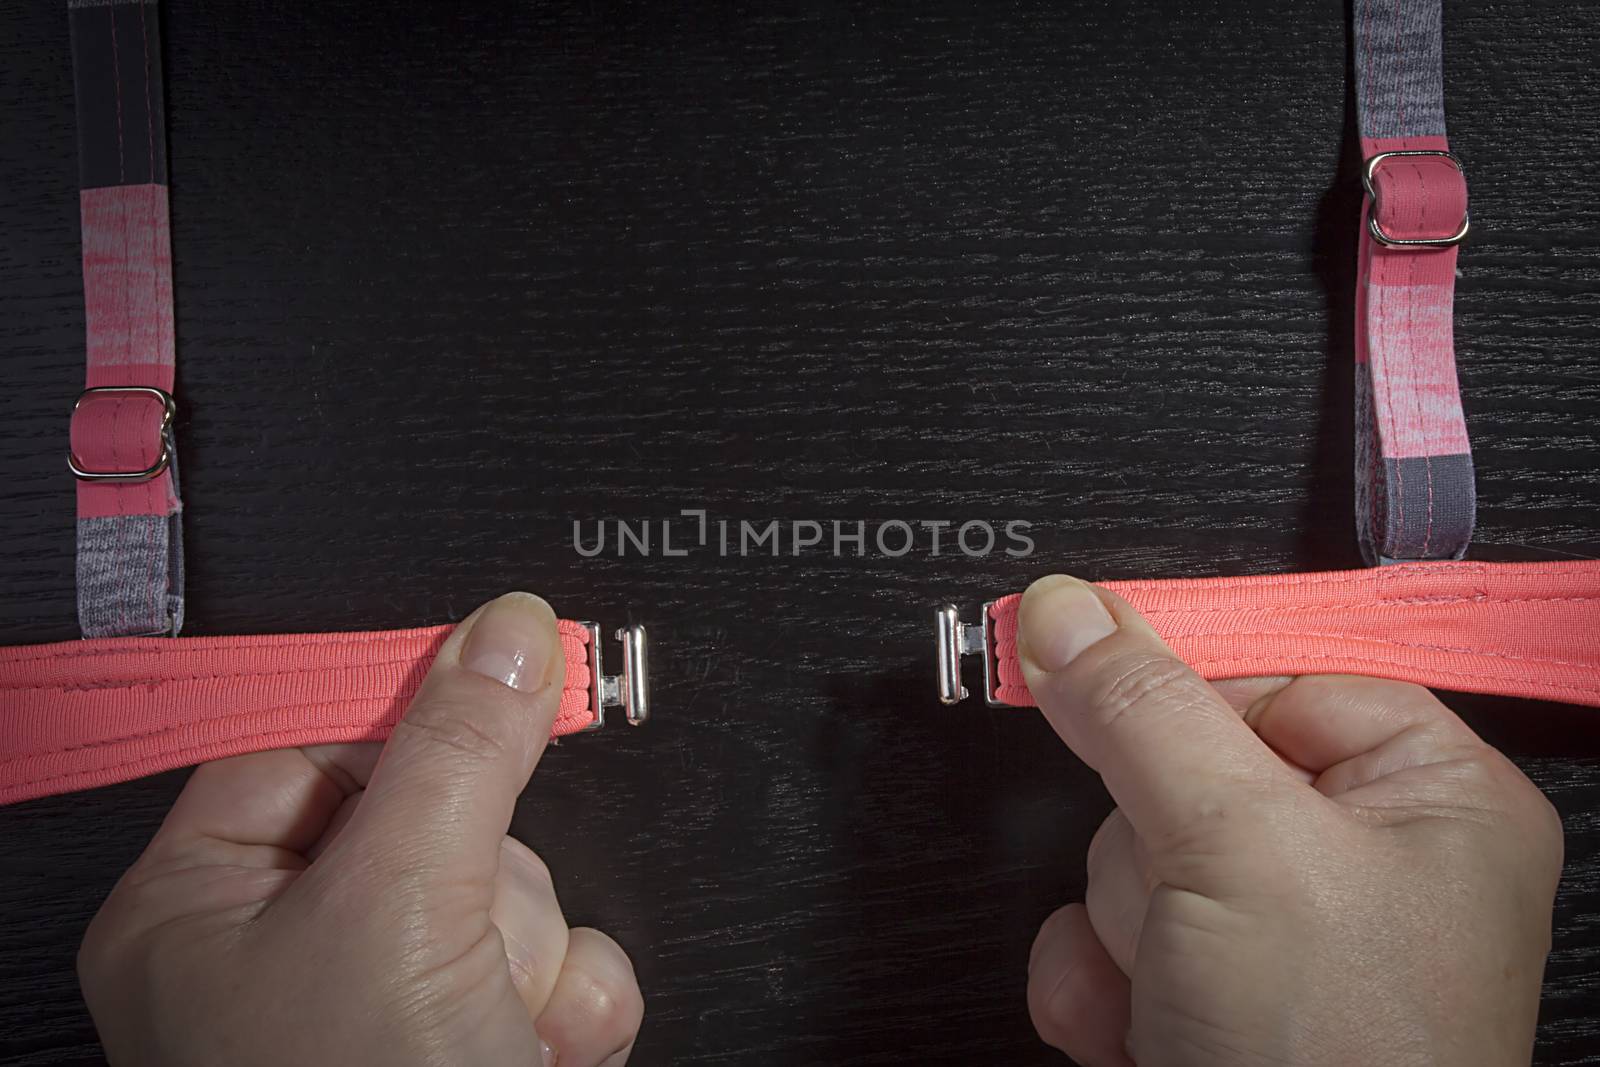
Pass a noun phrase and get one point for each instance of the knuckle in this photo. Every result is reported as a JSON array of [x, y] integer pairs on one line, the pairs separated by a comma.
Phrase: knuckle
[[94, 954], [1549, 840], [115, 957], [449, 726], [1542, 825], [115, 939], [1143, 680], [1490, 774], [1468, 775], [1551, 829], [1480, 779]]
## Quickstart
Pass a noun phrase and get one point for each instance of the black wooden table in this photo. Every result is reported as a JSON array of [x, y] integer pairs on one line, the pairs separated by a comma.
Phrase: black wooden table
[[448, 281]]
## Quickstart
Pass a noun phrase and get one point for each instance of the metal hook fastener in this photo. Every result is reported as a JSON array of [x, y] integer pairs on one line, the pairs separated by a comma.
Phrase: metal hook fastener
[[629, 690], [954, 639]]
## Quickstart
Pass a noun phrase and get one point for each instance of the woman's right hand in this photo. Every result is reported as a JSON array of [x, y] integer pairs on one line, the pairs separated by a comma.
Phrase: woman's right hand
[[1319, 870]]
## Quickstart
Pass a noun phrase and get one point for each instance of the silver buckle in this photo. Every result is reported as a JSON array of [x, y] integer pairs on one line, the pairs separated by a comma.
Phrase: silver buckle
[[954, 639], [629, 690], [1369, 171], [169, 408]]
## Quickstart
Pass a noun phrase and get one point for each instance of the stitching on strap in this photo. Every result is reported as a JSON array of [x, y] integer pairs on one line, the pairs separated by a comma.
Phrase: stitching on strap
[[179, 757]]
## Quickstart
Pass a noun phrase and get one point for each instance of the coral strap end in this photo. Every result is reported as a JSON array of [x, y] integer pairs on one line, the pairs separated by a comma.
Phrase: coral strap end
[[80, 714], [1512, 629]]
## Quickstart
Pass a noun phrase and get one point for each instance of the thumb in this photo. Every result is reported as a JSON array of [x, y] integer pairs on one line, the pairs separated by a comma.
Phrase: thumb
[[441, 797], [1175, 757]]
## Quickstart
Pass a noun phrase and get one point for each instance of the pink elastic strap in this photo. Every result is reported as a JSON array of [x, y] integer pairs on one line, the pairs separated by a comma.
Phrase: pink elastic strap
[[80, 714], [1416, 496], [130, 551], [1513, 629]]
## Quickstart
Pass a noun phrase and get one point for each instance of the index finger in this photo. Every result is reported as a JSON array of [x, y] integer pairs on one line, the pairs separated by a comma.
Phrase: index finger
[[263, 809]]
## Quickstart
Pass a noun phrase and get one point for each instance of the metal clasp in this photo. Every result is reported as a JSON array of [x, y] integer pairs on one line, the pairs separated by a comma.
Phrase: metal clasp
[[629, 690], [1369, 173], [954, 639], [169, 408]]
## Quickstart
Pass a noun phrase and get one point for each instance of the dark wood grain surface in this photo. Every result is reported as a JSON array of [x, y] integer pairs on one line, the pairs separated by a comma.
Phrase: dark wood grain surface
[[450, 279]]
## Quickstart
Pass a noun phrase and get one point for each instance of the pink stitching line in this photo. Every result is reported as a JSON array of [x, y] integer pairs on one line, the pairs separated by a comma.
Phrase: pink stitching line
[[1377, 504], [155, 585], [125, 219], [140, 683], [252, 648], [160, 580], [1369, 419], [1001, 607], [139, 595], [1411, 326], [1388, 400], [1295, 609], [180, 754], [1592, 665], [179, 758], [116, 77], [1380, 602], [1388, 414], [125, 222], [1254, 665], [160, 761], [1363, 576], [1420, 672], [1378, 576], [275, 709], [284, 709], [120, 557], [1427, 536], [202, 645], [1417, 386], [151, 566], [149, 119], [241, 675], [1372, 640], [1387, 604], [1399, 74], [1364, 42], [68, 651]]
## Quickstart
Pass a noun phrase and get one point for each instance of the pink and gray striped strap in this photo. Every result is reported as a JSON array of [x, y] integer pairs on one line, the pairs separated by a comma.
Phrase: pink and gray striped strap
[[130, 555], [1415, 497]]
